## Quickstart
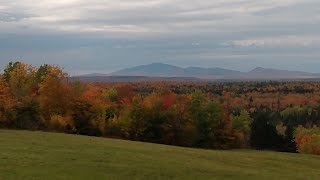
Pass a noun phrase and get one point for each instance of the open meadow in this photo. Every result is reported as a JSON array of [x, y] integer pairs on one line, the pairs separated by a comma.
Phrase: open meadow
[[39, 155]]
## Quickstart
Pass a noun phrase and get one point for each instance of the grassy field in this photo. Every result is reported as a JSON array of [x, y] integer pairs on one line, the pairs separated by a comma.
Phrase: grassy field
[[38, 155]]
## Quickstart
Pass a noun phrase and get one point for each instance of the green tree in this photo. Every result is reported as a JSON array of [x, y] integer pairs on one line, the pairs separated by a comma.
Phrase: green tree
[[242, 122], [111, 94], [9, 68], [138, 122], [206, 116]]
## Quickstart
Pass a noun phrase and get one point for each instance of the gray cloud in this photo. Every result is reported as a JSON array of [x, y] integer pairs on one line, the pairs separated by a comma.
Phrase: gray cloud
[[107, 35], [278, 41], [11, 17]]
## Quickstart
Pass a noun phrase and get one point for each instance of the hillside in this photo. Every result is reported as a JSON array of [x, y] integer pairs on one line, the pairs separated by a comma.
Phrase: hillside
[[38, 155]]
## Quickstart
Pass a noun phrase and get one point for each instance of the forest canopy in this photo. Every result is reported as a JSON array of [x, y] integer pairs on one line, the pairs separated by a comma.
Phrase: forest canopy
[[281, 116]]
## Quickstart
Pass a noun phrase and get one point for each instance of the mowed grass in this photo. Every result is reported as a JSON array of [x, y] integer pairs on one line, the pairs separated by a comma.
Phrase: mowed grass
[[39, 155]]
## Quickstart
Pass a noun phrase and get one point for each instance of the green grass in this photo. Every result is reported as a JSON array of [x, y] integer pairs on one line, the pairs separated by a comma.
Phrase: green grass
[[38, 155]]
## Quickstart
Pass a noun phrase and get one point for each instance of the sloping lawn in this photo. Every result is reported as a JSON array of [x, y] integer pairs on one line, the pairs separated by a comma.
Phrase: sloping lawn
[[38, 155]]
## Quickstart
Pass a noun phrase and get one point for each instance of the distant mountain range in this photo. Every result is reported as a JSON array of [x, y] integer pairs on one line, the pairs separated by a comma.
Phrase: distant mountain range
[[166, 70], [161, 70]]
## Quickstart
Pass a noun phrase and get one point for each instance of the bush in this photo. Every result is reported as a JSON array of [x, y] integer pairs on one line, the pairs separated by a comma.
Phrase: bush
[[61, 123]]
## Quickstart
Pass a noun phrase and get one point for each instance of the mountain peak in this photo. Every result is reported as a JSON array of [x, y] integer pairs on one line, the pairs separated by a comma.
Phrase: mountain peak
[[153, 69], [259, 70], [155, 63]]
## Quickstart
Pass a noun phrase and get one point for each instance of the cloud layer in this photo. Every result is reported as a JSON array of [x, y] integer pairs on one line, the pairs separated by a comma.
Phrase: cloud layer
[[140, 31]]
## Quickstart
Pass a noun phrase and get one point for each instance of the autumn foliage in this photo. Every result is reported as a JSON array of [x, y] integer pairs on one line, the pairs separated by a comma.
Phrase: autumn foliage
[[261, 115], [308, 140]]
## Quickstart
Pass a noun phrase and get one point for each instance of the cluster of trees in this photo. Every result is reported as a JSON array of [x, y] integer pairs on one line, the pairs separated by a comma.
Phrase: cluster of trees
[[221, 115], [44, 98], [184, 120], [308, 140]]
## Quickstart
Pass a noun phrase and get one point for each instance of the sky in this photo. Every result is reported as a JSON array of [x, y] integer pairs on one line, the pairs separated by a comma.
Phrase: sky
[[103, 36]]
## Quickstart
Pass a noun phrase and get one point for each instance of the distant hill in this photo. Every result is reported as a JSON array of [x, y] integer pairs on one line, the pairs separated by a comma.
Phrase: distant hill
[[154, 69], [161, 72], [165, 70], [198, 71], [105, 78], [269, 73], [93, 75]]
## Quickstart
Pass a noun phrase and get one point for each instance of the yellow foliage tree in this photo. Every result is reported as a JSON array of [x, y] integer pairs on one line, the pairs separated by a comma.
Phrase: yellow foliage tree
[[21, 82], [55, 91]]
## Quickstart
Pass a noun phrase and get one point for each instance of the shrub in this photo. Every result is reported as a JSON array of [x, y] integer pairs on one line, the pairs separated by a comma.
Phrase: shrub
[[62, 123]]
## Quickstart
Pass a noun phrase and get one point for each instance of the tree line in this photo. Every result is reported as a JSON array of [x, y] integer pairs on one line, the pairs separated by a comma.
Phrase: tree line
[[204, 115]]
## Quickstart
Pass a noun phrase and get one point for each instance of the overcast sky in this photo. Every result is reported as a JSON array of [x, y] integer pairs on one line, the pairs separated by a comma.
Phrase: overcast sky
[[87, 36]]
